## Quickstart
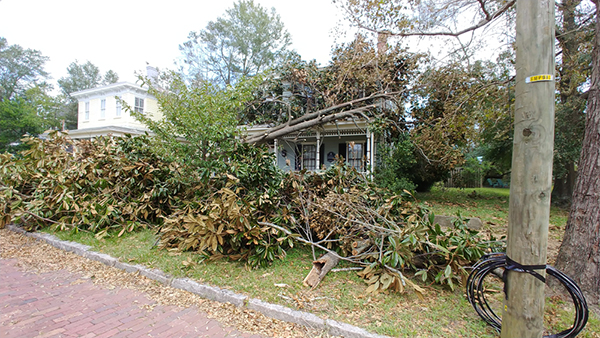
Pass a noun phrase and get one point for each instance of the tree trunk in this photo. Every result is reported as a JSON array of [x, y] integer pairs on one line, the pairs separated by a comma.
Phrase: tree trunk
[[355, 108], [563, 187], [569, 118], [320, 268], [579, 254]]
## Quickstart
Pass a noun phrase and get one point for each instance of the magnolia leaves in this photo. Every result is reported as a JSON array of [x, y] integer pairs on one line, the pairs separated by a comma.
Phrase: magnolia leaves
[[106, 185], [381, 279], [224, 226]]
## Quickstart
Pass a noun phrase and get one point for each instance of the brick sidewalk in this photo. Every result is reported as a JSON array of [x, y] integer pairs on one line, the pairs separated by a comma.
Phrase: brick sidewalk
[[63, 304]]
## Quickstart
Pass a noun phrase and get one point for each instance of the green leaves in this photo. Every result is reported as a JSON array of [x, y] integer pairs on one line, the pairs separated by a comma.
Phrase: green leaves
[[95, 185], [205, 116], [19, 69], [242, 43], [17, 118], [448, 250]]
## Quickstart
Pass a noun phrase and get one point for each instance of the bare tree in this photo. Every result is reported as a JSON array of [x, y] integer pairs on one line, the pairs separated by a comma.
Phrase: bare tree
[[579, 251]]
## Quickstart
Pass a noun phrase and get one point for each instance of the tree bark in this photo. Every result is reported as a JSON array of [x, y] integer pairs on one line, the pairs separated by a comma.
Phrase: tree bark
[[320, 268], [564, 187], [571, 112], [579, 253]]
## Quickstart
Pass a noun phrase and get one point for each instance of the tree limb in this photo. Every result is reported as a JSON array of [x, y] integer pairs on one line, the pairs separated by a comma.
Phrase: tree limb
[[329, 114], [489, 18]]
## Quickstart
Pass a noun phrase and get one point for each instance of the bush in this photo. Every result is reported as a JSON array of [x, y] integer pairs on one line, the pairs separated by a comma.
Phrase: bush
[[396, 165], [402, 166], [88, 185], [115, 185]]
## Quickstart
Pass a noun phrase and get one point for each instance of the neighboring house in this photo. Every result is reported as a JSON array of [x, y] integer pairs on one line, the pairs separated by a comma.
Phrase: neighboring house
[[101, 114], [316, 149]]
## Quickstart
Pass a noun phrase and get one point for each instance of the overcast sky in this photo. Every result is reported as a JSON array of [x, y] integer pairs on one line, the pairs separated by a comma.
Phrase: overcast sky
[[123, 35]]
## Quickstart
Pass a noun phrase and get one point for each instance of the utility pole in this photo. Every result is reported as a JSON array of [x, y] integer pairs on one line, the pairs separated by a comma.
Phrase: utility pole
[[531, 175]]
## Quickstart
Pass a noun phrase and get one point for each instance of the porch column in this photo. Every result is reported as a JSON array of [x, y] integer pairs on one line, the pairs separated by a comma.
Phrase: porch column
[[318, 158], [369, 150], [373, 155], [276, 153]]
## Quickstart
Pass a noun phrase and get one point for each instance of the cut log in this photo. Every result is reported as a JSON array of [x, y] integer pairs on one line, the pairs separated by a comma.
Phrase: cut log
[[320, 268], [359, 246]]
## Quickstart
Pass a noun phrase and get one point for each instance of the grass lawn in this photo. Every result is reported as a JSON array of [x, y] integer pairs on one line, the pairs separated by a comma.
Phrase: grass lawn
[[341, 295], [491, 206]]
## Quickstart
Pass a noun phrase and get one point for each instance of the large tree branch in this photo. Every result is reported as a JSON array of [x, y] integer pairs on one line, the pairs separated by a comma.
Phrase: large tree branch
[[322, 116], [287, 129], [488, 18]]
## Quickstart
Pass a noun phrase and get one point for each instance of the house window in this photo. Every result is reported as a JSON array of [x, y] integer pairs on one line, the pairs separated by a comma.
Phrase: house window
[[355, 153], [306, 157], [139, 105], [87, 111], [102, 108], [118, 107], [309, 157]]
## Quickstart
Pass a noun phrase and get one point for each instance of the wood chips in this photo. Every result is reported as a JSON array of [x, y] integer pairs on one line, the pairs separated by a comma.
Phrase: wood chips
[[36, 256]]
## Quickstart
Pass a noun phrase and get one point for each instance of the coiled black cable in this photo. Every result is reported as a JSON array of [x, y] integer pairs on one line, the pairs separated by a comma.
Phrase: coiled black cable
[[490, 262]]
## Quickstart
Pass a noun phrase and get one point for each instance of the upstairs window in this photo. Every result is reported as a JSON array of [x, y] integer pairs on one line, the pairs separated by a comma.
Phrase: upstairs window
[[118, 107], [102, 108], [139, 105], [87, 111]]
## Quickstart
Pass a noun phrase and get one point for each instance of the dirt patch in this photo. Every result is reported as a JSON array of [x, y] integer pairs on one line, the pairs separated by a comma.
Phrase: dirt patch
[[36, 256]]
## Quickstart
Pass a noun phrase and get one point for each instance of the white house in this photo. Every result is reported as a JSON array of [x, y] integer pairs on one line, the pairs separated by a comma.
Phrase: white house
[[316, 148], [102, 114]]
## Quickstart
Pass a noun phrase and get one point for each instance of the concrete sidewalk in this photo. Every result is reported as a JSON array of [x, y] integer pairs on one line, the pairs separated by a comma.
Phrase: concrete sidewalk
[[65, 304]]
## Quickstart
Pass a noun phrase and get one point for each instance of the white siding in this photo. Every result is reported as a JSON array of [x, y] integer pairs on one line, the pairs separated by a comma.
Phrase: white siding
[[128, 93]]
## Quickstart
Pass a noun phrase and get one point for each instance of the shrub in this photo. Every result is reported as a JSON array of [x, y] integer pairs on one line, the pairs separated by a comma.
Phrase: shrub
[[89, 185], [396, 164], [342, 211]]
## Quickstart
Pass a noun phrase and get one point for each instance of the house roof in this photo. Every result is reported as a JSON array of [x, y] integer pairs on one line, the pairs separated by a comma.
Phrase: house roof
[[341, 128], [105, 131], [113, 88]]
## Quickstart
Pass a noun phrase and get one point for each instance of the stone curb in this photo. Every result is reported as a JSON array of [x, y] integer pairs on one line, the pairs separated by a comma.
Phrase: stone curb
[[346, 330], [156, 275], [287, 314], [209, 292]]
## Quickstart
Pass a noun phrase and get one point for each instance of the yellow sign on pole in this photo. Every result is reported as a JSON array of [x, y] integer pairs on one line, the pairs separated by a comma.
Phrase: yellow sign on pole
[[539, 78]]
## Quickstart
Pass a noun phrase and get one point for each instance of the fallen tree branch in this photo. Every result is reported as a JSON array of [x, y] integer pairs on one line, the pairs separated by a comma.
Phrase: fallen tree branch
[[328, 261], [288, 129], [305, 241], [55, 222], [356, 268], [320, 268], [329, 114]]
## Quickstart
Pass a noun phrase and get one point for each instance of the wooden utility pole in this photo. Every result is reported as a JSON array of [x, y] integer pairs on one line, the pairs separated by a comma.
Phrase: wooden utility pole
[[531, 175]]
